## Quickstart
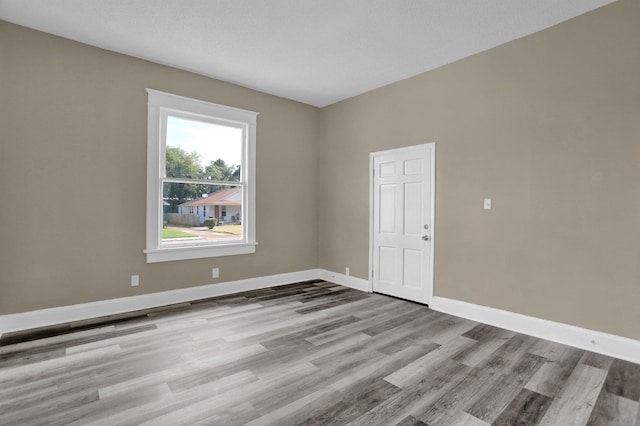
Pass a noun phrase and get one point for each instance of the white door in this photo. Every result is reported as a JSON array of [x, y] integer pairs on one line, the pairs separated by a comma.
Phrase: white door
[[402, 222]]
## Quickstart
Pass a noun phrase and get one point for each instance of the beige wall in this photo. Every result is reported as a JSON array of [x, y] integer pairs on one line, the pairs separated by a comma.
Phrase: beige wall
[[549, 127], [72, 175]]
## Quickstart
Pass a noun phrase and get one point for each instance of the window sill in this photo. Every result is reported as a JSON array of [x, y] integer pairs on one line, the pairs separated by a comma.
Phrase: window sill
[[198, 252]]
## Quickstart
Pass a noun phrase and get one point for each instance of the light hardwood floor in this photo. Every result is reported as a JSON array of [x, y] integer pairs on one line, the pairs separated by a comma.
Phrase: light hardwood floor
[[307, 353]]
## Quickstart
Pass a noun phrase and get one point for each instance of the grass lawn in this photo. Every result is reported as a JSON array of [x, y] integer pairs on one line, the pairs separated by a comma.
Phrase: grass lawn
[[229, 229], [172, 233]]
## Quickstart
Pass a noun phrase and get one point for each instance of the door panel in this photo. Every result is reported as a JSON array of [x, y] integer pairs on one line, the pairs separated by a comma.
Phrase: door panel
[[387, 169], [413, 167], [387, 209], [412, 268], [387, 264], [413, 209], [402, 222]]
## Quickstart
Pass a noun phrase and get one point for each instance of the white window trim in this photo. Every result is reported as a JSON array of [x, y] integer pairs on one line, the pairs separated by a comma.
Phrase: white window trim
[[159, 103]]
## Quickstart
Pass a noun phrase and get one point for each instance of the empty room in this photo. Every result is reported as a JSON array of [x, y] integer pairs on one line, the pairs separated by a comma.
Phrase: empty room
[[304, 212]]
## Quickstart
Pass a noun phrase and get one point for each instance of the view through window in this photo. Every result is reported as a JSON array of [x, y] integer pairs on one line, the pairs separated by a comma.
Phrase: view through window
[[202, 194]]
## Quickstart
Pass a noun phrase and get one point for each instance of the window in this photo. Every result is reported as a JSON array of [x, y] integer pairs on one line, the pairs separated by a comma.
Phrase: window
[[199, 155]]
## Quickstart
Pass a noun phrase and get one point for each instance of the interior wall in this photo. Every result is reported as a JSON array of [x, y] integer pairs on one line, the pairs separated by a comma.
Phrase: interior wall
[[73, 138], [548, 126]]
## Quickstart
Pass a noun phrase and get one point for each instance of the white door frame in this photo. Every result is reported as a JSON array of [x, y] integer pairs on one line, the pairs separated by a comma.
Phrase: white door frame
[[372, 155]]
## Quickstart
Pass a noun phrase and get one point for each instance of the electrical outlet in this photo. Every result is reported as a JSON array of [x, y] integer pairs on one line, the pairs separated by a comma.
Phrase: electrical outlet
[[347, 271], [215, 272], [135, 280]]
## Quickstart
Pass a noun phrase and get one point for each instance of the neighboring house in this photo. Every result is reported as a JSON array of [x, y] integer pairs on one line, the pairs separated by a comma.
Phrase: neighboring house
[[225, 205]]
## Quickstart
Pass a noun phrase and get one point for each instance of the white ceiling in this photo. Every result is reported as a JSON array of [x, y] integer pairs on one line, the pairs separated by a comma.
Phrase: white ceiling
[[313, 51]]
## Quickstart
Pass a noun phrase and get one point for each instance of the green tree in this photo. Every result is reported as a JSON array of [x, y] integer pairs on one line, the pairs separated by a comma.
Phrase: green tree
[[218, 170], [181, 164]]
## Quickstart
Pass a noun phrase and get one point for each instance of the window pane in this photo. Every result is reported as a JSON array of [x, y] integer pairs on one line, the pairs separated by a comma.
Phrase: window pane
[[201, 150], [188, 211]]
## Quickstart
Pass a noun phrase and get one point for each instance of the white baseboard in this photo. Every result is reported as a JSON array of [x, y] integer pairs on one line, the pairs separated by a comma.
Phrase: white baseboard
[[345, 280], [65, 314], [595, 341]]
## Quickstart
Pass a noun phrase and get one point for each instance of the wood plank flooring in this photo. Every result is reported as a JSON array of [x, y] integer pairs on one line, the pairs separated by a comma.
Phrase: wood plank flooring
[[305, 354]]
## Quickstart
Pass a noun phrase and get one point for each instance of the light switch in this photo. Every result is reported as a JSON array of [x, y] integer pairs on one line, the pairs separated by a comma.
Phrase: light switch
[[487, 203]]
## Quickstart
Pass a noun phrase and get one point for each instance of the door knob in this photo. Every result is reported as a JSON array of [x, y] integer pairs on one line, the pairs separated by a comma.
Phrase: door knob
[[425, 237]]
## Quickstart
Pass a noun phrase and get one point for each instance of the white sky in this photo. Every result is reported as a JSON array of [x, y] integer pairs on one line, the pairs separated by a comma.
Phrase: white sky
[[210, 141]]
